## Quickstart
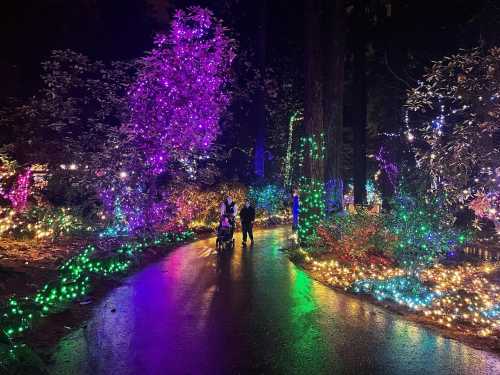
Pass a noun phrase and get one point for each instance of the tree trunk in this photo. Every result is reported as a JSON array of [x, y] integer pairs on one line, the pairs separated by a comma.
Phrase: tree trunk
[[335, 31], [360, 103], [313, 105], [260, 109]]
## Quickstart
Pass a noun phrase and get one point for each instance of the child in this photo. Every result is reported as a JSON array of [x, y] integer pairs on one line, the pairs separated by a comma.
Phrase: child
[[225, 228]]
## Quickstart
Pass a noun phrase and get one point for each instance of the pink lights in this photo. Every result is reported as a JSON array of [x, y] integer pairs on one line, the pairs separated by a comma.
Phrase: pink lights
[[18, 195]]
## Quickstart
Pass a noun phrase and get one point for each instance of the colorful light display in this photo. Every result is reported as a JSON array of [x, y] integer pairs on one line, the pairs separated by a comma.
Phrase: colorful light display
[[176, 102], [404, 290], [423, 229], [180, 93], [311, 209], [269, 198], [460, 298], [18, 194], [40, 223], [390, 169], [287, 175], [373, 196], [75, 280], [454, 129], [360, 236], [199, 209]]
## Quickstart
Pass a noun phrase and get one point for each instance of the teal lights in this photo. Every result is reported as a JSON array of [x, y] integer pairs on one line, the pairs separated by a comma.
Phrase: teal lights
[[404, 290]]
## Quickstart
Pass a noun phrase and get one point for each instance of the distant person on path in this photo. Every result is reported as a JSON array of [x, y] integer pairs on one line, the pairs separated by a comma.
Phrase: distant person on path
[[247, 216]]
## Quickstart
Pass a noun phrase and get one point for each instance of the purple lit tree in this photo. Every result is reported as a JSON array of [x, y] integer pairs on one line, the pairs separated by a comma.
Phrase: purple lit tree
[[176, 105], [181, 91]]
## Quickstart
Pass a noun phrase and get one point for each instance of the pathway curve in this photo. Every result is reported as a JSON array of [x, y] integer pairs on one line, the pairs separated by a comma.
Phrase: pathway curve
[[251, 311]]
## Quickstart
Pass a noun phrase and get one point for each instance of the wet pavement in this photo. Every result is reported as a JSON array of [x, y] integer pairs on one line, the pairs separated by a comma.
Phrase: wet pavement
[[251, 311]]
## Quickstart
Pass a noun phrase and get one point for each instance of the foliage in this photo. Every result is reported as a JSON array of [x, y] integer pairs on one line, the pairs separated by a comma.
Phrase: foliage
[[71, 125], [20, 184], [423, 229], [357, 236], [175, 104], [40, 222], [454, 129], [200, 208], [268, 198], [181, 92], [70, 118]]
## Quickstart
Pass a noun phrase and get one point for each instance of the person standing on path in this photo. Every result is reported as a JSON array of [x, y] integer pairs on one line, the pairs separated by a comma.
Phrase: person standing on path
[[247, 216]]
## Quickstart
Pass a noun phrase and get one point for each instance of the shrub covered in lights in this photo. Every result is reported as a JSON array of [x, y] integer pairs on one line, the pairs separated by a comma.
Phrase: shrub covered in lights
[[269, 198], [199, 208], [423, 229], [25, 214], [360, 235], [43, 222]]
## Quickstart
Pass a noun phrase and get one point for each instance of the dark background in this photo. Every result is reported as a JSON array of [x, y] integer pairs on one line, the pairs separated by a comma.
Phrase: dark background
[[403, 38]]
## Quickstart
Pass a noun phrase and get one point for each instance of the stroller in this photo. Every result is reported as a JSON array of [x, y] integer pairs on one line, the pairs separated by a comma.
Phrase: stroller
[[225, 240]]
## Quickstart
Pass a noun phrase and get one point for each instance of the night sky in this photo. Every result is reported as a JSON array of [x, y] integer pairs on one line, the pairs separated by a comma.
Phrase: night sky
[[115, 29]]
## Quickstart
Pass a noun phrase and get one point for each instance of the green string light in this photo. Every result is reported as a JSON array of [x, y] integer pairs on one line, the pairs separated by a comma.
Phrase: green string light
[[312, 209], [75, 280]]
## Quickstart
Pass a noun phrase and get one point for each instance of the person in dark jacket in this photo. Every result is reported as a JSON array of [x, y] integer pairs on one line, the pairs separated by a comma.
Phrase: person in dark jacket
[[247, 216]]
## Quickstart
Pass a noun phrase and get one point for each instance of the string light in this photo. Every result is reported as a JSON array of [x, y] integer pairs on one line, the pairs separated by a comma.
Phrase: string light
[[456, 128], [312, 192], [269, 198], [186, 76], [288, 159], [18, 194], [75, 279], [423, 229], [311, 210], [460, 298]]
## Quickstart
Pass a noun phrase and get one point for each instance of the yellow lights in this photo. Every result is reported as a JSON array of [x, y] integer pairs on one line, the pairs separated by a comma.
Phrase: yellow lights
[[43, 224], [466, 300]]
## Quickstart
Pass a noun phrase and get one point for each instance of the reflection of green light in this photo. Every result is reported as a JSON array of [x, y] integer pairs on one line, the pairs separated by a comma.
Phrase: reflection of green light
[[307, 344]]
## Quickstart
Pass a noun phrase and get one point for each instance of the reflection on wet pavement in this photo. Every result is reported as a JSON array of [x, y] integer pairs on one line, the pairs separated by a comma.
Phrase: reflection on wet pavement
[[251, 311]]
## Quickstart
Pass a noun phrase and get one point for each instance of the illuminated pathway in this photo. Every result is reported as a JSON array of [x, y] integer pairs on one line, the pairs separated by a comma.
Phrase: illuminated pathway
[[251, 312]]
